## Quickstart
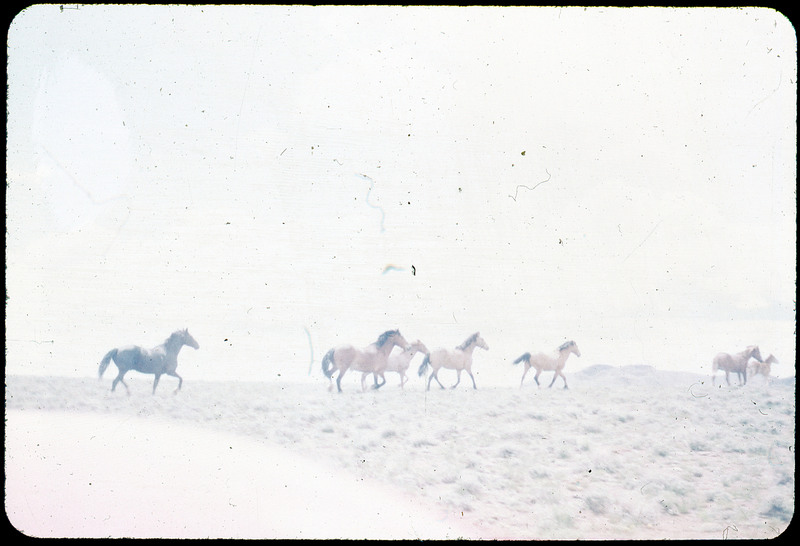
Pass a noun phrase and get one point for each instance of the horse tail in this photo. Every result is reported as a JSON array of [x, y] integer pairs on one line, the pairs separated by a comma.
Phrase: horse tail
[[327, 360], [104, 363], [526, 357], [424, 365]]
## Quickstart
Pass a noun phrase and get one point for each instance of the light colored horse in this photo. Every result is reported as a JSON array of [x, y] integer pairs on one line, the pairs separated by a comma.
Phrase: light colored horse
[[734, 363], [399, 362], [158, 360], [371, 359], [458, 359], [762, 368], [546, 362]]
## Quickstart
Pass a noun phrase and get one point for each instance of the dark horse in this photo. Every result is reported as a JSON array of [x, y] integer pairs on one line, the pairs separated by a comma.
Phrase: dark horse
[[158, 360]]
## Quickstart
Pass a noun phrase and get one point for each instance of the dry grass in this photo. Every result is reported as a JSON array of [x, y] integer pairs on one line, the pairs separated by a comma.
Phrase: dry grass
[[622, 454]]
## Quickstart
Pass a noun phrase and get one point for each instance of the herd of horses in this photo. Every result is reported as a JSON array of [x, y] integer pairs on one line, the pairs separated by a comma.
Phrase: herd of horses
[[377, 359]]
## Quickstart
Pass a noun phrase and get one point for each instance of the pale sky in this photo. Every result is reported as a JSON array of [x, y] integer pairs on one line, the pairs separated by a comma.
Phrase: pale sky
[[267, 176]]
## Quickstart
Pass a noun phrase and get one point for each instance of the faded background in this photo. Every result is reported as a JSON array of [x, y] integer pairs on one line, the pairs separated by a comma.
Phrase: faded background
[[283, 179]]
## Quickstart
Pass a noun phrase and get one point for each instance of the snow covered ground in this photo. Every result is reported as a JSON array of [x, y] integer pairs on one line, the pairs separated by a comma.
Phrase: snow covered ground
[[627, 452]]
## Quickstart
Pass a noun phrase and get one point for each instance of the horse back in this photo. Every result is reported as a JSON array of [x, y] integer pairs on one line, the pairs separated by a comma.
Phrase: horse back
[[398, 362], [547, 362], [454, 360], [140, 359], [724, 361]]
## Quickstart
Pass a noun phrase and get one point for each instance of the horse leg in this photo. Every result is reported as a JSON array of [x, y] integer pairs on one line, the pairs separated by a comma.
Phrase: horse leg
[[155, 382], [523, 375], [536, 378], [458, 375], [431, 378], [727, 377], [339, 380], [378, 386], [120, 379], [330, 383], [564, 378], [364, 381], [180, 381], [474, 386]]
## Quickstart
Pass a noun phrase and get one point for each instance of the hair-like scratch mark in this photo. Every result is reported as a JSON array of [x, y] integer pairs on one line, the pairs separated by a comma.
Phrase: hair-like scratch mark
[[91, 196], [514, 197], [696, 395], [371, 185], [77, 184], [119, 230], [725, 531], [244, 94], [311, 349], [780, 80], [643, 241]]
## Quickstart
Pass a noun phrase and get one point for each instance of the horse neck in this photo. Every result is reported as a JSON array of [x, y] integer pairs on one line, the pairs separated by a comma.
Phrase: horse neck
[[745, 355], [406, 356], [469, 348], [173, 345], [563, 355], [386, 348]]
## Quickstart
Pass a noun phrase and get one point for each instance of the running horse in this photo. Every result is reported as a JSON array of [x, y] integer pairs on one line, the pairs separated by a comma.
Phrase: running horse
[[371, 359], [544, 362], [458, 359], [734, 363], [399, 362], [159, 360]]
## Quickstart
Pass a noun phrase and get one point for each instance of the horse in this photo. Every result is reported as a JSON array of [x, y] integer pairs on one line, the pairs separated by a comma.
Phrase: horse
[[763, 368], [159, 360], [399, 362], [371, 359], [458, 359], [734, 363], [544, 362]]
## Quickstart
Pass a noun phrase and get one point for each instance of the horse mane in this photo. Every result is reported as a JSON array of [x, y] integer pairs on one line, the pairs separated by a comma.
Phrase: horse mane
[[384, 337], [471, 339], [566, 345], [176, 335]]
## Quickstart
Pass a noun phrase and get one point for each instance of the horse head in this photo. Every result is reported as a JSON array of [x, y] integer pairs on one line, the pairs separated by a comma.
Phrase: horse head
[[474, 339], [571, 346], [418, 347], [392, 336], [188, 339], [754, 352]]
